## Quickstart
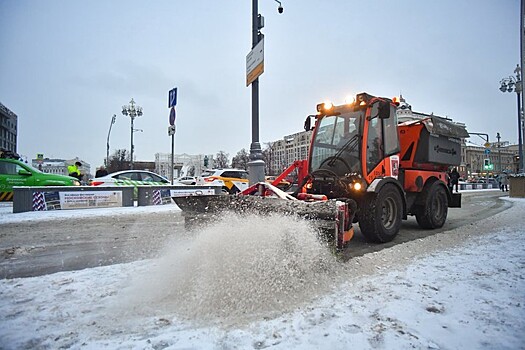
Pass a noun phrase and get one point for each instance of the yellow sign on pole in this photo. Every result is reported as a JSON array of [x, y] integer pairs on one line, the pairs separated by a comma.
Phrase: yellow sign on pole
[[255, 63]]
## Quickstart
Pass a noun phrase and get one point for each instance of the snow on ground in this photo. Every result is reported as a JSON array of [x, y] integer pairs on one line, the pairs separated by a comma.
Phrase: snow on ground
[[7, 215], [244, 285]]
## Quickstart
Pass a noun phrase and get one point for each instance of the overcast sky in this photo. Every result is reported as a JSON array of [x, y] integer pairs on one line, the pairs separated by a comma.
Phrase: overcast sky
[[67, 66]]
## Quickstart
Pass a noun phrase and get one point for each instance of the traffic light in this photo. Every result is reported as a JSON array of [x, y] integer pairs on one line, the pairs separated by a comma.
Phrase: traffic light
[[486, 163]]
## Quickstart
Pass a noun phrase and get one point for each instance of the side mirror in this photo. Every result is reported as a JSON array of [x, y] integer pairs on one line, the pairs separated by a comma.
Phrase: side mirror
[[308, 124], [24, 172], [384, 110]]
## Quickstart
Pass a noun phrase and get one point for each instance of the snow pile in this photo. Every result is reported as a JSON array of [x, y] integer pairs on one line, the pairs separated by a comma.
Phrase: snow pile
[[237, 268]]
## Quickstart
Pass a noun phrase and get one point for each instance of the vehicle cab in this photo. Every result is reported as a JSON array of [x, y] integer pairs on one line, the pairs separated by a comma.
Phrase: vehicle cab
[[353, 144]]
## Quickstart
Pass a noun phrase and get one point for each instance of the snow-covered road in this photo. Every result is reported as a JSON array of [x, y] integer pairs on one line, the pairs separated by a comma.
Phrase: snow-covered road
[[462, 289]]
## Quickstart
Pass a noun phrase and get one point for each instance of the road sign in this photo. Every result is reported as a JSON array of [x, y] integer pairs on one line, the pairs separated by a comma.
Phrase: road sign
[[171, 130], [172, 116], [172, 98], [255, 63], [487, 151]]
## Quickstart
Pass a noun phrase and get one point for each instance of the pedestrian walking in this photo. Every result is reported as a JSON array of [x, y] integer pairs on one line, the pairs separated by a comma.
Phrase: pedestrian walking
[[504, 182], [454, 180]]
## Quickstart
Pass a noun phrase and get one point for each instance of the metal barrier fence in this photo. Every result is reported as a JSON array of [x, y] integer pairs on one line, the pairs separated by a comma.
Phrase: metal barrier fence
[[70, 197], [88, 197], [476, 186], [155, 195]]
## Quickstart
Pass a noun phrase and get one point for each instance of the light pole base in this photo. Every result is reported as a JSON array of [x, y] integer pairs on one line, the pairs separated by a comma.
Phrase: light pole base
[[256, 171]]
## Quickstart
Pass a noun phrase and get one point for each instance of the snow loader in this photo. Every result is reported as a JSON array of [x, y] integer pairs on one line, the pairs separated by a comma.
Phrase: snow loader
[[364, 167]]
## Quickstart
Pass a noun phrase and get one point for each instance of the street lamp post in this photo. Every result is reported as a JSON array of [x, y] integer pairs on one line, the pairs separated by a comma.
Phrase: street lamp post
[[511, 84], [499, 152], [256, 164], [109, 133], [133, 112]]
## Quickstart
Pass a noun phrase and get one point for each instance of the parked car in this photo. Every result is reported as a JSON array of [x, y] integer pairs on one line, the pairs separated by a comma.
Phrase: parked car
[[186, 180], [231, 180], [130, 178], [14, 172]]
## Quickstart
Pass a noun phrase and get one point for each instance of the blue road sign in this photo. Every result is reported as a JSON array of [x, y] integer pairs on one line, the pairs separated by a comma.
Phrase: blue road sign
[[172, 116], [172, 98], [487, 151]]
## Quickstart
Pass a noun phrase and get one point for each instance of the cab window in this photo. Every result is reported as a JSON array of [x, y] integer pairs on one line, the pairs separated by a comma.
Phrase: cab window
[[382, 138], [9, 168], [391, 138], [374, 143]]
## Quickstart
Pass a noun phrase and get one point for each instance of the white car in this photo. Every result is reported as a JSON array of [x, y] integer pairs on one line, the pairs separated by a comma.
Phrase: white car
[[186, 180], [231, 180], [130, 178]]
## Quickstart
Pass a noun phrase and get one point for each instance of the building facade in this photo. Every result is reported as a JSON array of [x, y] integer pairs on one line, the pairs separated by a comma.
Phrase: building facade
[[282, 153], [474, 159], [8, 129], [59, 166]]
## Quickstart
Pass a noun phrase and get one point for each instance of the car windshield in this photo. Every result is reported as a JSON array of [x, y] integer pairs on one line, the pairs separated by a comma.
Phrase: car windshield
[[336, 144]]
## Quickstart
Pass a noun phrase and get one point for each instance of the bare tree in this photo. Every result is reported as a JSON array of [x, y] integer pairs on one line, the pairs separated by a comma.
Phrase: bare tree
[[240, 161], [268, 155], [119, 160], [221, 160]]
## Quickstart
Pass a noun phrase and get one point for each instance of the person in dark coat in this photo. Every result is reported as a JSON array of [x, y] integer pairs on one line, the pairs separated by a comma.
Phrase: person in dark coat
[[454, 179], [101, 172]]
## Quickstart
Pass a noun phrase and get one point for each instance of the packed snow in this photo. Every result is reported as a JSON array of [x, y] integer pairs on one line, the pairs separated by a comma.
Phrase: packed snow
[[253, 283]]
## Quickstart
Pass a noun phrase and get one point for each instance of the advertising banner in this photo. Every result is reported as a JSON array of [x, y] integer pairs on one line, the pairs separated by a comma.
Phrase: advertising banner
[[85, 199]]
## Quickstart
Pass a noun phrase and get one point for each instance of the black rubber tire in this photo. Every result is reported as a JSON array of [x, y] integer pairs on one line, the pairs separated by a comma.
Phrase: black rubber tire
[[380, 215], [432, 213]]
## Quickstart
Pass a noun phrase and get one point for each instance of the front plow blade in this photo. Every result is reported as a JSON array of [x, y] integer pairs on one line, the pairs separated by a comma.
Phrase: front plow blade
[[332, 217]]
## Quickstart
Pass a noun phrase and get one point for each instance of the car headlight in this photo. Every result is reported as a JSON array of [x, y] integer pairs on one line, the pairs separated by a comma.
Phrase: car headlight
[[76, 183]]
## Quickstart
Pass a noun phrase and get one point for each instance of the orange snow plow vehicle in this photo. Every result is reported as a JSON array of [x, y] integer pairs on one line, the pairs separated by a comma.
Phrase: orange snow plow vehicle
[[364, 167]]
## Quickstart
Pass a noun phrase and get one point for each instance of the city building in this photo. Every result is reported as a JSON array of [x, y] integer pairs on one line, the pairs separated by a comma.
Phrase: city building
[[481, 161], [282, 153], [8, 129], [59, 166]]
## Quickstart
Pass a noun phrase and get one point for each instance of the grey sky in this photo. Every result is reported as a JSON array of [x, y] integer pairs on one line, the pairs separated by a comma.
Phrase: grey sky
[[67, 66]]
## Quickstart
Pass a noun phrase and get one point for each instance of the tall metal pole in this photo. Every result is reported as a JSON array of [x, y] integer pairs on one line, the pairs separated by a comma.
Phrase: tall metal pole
[[172, 156], [499, 152], [520, 140], [132, 129], [256, 164], [109, 133], [522, 100], [132, 112]]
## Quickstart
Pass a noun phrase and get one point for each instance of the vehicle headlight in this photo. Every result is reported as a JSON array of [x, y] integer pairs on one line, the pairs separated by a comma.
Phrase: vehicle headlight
[[76, 183]]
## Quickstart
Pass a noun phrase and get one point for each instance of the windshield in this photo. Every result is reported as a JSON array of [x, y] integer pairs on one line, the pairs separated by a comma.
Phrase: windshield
[[336, 144]]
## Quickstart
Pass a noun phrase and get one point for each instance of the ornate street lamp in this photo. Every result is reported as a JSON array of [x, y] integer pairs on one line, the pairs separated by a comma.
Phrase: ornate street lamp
[[113, 119], [133, 112], [511, 84]]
